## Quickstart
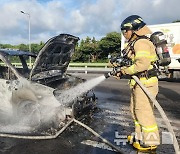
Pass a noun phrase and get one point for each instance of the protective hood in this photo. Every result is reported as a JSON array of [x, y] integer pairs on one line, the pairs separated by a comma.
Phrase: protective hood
[[143, 31], [54, 57]]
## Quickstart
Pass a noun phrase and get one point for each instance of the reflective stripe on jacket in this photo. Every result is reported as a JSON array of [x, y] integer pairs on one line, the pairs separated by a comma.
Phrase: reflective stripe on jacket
[[143, 58]]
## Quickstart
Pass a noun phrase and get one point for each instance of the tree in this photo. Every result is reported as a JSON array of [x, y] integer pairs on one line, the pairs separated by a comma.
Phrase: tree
[[78, 55], [41, 44], [95, 51], [36, 47], [23, 47], [85, 49], [110, 44], [89, 49], [176, 21], [6, 46]]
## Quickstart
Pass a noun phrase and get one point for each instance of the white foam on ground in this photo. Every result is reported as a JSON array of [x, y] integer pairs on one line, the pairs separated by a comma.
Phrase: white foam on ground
[[25, 105], [97, 144]]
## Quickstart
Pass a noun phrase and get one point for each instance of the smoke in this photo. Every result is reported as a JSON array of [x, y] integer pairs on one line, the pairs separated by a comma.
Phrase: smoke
[[27, 107]]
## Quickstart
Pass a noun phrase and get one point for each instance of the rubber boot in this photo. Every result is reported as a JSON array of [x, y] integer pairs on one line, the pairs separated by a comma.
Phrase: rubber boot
[[130, 139], [142, 147]]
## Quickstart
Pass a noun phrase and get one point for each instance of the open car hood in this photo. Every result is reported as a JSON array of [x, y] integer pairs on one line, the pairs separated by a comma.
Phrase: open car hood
[[54, 57]]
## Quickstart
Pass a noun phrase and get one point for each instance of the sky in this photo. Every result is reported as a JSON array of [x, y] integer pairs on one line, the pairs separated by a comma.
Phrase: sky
[[81, 18]]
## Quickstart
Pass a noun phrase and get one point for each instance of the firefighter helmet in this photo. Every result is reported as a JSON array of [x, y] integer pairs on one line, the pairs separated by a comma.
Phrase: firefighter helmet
[[133, 22]]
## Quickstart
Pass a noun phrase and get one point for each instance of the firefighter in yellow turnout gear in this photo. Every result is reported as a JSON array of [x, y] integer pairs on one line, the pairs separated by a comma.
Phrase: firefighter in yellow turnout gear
[[143, 55]]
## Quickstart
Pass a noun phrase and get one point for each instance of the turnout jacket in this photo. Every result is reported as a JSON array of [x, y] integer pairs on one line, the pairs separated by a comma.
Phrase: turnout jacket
[[143, 55]]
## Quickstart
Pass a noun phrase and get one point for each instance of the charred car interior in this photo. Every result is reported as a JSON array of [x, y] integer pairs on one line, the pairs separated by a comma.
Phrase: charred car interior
[[49, 69]]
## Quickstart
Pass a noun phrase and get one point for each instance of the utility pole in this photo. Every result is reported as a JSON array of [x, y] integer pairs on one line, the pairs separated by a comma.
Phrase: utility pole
[[29, 29]]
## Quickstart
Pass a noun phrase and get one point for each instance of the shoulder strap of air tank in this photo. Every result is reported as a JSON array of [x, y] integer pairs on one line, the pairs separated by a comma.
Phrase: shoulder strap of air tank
[[134, 41], [131, 44]]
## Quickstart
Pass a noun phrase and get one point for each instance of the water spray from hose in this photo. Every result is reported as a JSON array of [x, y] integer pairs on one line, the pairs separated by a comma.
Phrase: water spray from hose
[[67, 96]]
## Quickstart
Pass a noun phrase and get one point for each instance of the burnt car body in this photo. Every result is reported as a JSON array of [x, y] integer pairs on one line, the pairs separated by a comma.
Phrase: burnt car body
[[49, 69]]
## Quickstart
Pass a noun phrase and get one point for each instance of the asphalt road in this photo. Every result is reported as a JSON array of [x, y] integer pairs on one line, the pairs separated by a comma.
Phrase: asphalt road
[[111, 119]]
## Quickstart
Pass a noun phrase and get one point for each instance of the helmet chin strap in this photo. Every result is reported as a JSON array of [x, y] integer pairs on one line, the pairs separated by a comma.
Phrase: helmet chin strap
[[132, 36]]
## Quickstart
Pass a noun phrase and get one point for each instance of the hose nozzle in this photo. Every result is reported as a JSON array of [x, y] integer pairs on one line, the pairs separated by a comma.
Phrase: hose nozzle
[[107, 75]]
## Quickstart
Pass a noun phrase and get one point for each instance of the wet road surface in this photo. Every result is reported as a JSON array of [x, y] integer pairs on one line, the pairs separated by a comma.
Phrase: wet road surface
[[111, 117]]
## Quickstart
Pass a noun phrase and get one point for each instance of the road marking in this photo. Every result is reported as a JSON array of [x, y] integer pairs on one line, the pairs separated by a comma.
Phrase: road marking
[[97, 144]]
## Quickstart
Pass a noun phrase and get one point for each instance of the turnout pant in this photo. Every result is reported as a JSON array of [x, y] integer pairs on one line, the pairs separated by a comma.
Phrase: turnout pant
[[146, 129]]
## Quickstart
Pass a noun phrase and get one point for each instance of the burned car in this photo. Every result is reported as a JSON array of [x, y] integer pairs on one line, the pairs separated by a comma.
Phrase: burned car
[[31, 94]]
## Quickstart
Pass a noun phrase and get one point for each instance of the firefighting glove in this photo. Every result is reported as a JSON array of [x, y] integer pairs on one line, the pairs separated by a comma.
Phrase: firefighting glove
[[117, 75], [112, 64]]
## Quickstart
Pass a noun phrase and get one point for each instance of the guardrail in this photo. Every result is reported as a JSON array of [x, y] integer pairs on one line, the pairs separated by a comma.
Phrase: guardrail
[[79, 67], [18, 65], [89, 67], [72, 64]]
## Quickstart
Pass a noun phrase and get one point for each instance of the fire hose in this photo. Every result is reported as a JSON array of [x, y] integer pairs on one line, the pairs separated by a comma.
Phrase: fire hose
[[161, 111], [61, 131], [120, 61]]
